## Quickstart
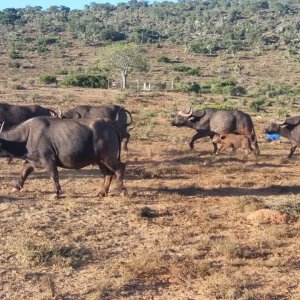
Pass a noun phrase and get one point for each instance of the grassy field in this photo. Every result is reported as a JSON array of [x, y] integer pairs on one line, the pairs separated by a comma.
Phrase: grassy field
[[189, 227]]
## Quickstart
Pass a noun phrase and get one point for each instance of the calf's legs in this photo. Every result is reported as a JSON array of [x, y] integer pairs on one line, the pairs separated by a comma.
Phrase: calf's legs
[[293, 148]]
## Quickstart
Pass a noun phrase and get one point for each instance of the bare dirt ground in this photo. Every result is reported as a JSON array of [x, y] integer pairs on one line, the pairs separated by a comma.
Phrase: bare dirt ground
[[196, 242]]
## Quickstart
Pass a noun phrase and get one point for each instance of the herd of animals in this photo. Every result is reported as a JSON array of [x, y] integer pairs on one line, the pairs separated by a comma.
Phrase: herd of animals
[[88, 135]]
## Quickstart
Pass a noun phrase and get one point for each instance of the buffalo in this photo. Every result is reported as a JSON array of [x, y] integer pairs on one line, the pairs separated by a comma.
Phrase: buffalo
[[13, 115], [71, 144], [112, 112], [235, 141], [289, 129], [211, 121]]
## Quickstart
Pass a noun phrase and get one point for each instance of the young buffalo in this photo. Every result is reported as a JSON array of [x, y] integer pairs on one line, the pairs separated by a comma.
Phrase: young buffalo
[[235, 141]]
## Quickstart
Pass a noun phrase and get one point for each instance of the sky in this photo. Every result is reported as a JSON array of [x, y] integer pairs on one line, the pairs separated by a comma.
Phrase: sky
[[73, 4]]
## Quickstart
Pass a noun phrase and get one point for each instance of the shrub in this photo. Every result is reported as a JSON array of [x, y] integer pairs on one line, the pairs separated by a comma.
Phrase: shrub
[[48, 79], [14, 64], [193, 88], [237, 91], [204, 47], [86, 80], [44, 41], [225, 87], [215, 105], [164, 59], [188, 70], [110, 34], [15, 55], [257, 105]]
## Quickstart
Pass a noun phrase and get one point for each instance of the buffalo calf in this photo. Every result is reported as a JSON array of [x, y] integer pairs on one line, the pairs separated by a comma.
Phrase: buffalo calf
[[235, 141]]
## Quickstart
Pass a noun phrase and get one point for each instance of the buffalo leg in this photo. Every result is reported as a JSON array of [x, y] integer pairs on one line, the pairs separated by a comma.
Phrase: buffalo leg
[[53, 173], [216, 151], [126, 140], [219, 149], [196, 137], [108, 176], [254, 143], [26, 171], [292, 151], [118, 168], [120, 177]]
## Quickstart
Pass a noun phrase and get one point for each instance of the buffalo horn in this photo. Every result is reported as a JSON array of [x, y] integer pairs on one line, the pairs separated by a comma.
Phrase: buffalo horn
[[280, 124], [187, 115], [2, 125], [59, 115]]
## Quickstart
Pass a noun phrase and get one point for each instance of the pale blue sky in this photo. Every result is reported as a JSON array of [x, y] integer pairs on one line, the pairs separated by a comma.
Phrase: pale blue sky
[[73, 4]]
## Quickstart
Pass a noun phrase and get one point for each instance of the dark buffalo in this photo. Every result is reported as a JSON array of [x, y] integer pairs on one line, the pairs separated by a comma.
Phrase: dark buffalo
[[289, 129], [210, 121], [71, 144], [114, 113], [13, 115]]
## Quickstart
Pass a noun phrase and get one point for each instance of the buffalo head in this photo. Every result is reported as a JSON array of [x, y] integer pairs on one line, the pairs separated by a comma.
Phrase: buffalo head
[[274, 127], [182, 118]]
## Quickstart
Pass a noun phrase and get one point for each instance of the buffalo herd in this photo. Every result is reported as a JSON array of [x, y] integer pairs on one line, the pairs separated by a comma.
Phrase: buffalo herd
[[88, 135]]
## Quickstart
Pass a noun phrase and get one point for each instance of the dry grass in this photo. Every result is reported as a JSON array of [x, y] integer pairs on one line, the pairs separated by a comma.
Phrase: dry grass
[[198, 245]]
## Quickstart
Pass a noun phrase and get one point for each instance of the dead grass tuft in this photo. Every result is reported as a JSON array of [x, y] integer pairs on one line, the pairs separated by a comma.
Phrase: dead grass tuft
[[33, 253], [234, 250], [248, 204]]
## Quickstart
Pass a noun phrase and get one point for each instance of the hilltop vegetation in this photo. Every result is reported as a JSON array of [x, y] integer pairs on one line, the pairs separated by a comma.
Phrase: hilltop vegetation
[[204, 26]]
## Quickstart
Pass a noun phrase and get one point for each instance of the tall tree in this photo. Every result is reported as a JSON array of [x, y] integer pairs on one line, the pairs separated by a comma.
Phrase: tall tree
[[122, 59]]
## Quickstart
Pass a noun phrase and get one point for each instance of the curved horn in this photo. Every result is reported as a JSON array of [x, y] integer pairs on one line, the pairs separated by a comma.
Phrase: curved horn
[[2, 125], [187, 115], [280, 124], [59, 115]]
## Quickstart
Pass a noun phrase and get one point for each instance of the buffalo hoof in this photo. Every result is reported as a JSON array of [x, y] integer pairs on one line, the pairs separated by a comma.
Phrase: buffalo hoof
[[102, 194], [124, 193], [15, 190], [54, 197], [286, 160]]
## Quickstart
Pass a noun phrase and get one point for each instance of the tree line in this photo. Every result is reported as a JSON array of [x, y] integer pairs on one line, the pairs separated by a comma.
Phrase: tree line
[[203, 26]]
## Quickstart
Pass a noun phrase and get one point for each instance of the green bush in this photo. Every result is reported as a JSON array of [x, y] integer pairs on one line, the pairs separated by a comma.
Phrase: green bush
[[204, 47], [14, 64], [15, 55], [188, 70], [86, 80], [223, 87], [215, 105], [47, 79], [44, 41], [237, 91], [258, 105], [164, 59], [193, 88]]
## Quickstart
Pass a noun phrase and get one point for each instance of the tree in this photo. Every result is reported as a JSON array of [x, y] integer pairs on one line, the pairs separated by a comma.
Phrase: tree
[[122, 58]]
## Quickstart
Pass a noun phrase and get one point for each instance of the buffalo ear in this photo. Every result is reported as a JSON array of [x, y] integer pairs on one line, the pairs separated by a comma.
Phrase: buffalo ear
[[77, 115], [192, 119], [199, 113]]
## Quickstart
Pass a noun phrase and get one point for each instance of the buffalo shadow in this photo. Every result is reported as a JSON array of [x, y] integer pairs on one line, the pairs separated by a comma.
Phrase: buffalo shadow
[[230, 191]]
